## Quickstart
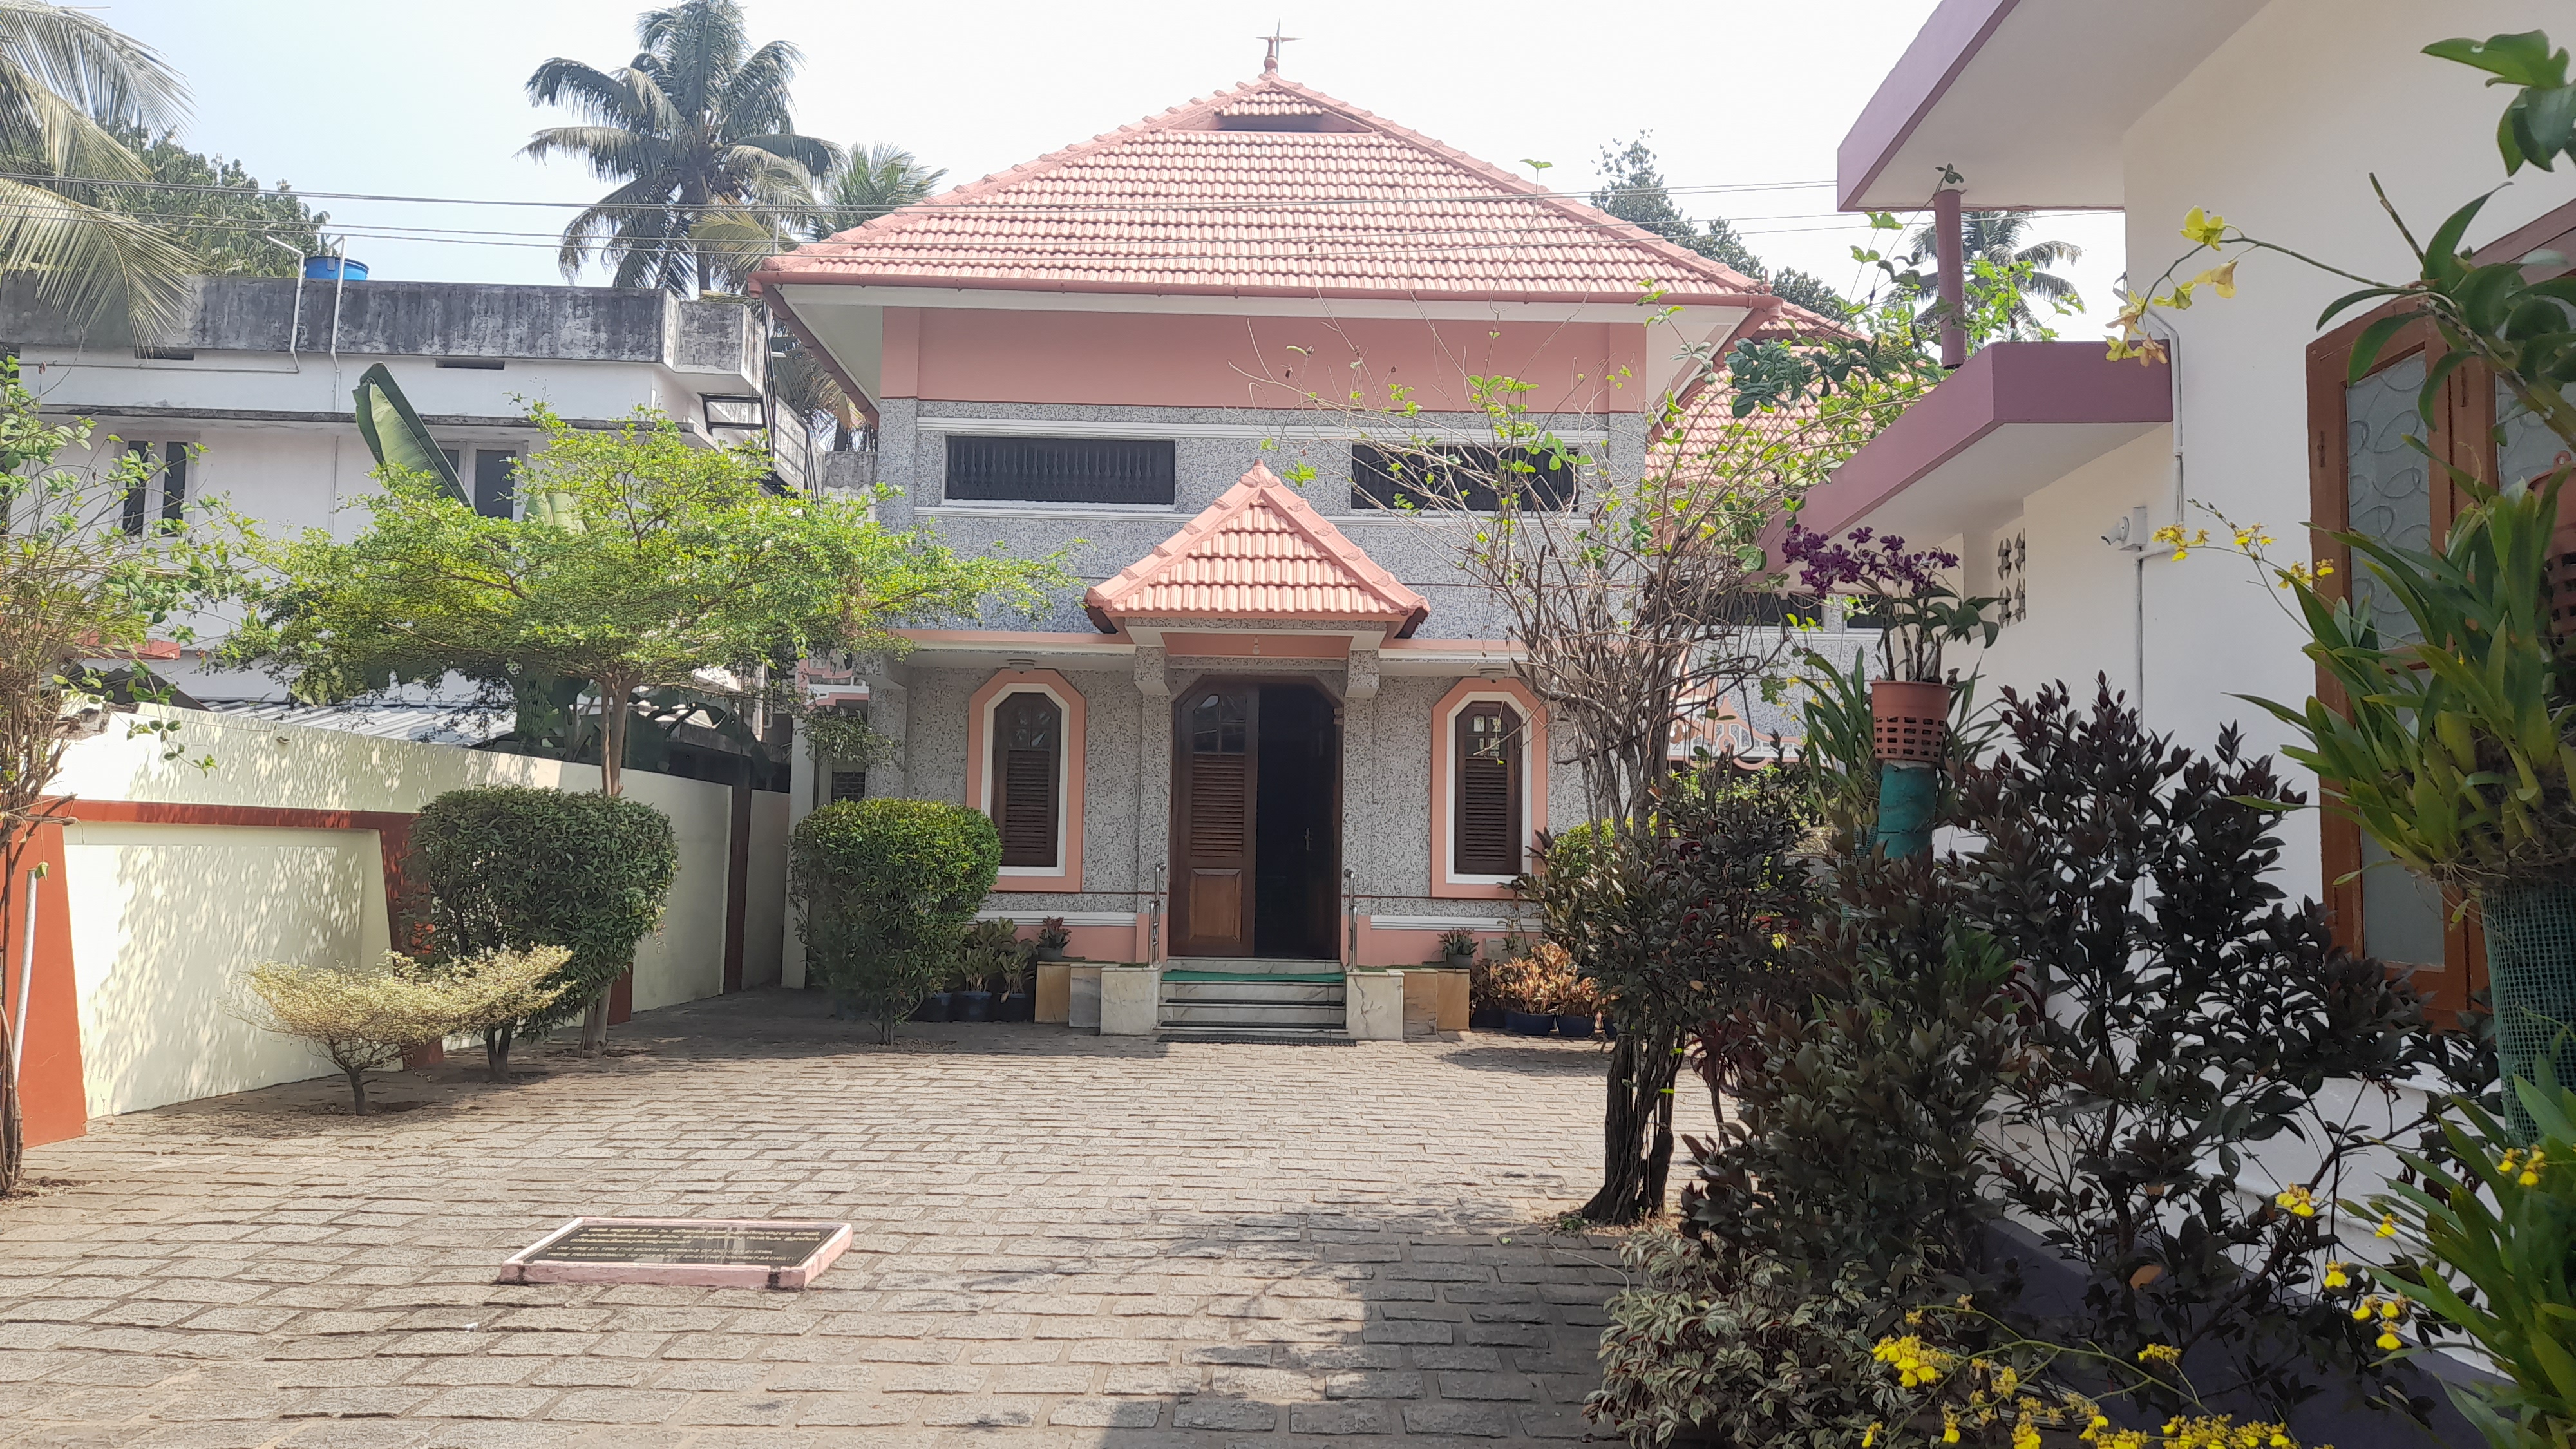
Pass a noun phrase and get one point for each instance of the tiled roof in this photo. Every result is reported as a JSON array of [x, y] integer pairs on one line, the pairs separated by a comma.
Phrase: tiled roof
[[1266, 189], [1259, 552]]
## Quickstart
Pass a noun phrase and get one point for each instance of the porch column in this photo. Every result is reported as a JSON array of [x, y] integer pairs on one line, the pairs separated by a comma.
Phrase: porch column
[[1361, 749], [1153, 792]]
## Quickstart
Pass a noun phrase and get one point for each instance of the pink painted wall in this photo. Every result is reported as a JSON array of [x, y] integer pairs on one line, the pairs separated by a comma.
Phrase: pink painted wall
[[1150, 360]]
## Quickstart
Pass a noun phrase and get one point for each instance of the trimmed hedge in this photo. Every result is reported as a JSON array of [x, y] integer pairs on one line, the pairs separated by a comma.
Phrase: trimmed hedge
[[509, 867], [887, 889]]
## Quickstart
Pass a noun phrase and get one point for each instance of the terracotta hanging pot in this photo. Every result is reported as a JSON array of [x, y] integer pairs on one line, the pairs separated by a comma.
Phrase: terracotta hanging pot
[[1909, 719]]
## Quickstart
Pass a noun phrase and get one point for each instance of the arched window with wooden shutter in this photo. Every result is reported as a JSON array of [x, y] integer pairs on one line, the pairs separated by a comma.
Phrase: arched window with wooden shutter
[[1485, 817], [1028, 773]]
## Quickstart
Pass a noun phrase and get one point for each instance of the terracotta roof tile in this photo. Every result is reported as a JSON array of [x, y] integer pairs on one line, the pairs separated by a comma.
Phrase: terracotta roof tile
[[1259, 552], [1268, 188]]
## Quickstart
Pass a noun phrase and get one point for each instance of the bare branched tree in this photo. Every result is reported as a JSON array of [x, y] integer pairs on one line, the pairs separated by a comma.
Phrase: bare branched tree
[[1638, 607]]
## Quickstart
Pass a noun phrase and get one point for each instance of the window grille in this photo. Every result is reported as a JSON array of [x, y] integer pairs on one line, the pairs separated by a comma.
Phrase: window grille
[[1472, 478], [1061, 470]]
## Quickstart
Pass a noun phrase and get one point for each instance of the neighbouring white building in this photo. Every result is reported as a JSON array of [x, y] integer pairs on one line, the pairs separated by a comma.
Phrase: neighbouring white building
[[248, 395], [2047, 466]]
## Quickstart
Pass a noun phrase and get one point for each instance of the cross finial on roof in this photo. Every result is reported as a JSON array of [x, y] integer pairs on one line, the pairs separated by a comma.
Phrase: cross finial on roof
[[1270, 61]]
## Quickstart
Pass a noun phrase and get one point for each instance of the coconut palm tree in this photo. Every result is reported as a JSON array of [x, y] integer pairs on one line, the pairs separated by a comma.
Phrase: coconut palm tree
[[67, 81], [870, 182], [865, 183], [1998, 236], [733, 241], [697, 120]]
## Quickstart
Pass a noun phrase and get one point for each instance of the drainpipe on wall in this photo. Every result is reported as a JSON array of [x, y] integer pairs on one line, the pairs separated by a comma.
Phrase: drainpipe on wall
[[1950, 250]]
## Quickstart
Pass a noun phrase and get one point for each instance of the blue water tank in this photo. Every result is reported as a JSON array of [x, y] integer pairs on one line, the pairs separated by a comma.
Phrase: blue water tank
[[327, 269]]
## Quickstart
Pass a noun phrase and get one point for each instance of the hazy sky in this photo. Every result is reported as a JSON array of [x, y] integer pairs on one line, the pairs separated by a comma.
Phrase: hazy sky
[[426, 98]]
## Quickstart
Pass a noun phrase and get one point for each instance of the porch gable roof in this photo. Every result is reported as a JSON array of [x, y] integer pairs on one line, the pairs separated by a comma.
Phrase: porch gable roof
[[1261, 551]]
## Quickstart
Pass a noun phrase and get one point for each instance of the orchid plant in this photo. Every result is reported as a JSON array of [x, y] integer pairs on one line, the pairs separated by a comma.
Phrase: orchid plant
[[1918, 612]]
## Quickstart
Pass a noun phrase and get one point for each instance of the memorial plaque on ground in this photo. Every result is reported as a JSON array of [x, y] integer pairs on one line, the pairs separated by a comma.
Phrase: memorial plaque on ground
[[707, 1252]]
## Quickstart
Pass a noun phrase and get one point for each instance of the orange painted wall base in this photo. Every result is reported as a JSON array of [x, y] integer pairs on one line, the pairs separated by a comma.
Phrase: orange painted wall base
[[53, 1103]]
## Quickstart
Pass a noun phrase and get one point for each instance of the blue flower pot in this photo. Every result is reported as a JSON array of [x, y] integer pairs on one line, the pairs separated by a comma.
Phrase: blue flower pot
[[1528, 1023], [1577, 1027], [970, 1005]]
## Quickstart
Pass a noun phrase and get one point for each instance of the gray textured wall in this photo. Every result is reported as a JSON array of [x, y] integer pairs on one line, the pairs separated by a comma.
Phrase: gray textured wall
[[1097, 543]]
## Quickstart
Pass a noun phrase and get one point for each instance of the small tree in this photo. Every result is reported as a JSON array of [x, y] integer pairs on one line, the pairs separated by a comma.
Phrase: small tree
[[886, 889], [509, 867], [363, 1018], [87, 571], [1633, 605], [643, 561], [493, 991]]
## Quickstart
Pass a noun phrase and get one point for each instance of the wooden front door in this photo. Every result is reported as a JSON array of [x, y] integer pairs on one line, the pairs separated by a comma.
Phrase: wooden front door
[[1215, 764]]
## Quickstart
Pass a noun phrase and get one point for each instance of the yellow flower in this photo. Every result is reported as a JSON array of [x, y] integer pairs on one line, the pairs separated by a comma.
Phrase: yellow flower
[[2393, 1310], [2221, 278], [2161, 1353], [2387, 1226], [2297, 1200], [2025, 1434], [2361, 1311], [1869, 1435], [2531, 1168], [2335, 1276], [2388, 1341], [1949, 1427], [2199, 226]]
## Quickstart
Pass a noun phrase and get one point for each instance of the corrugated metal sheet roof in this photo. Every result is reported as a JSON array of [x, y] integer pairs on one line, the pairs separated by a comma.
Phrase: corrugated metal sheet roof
[[435, 724]]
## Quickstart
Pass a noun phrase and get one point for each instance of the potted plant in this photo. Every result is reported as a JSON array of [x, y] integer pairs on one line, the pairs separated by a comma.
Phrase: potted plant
[[992, 950], [1916, 613], [1053, 937], [1458, 949], [1528, 987], [1484, 1005], [1576, 1006], [1015, 1001]]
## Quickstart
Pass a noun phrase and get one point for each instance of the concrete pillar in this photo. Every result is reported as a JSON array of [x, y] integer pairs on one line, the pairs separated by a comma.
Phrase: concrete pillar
[[1949, 246], [1131, 1001], [890, 714], [1374, 1004]]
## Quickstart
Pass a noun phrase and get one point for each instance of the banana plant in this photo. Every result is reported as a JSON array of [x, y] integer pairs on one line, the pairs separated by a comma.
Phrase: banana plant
[[395, 435]]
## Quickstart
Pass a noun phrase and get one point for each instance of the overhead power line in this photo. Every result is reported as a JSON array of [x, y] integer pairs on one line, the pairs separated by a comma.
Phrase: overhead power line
[[38, 177]]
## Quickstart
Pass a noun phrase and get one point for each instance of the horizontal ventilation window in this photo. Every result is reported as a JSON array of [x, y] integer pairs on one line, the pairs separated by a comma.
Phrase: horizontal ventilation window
[[1451, 478], [166, 354], [1060, 470], [473, 364]]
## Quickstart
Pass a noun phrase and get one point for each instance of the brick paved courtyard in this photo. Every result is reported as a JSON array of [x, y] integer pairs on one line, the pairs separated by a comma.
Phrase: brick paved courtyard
[[1060, 1240]]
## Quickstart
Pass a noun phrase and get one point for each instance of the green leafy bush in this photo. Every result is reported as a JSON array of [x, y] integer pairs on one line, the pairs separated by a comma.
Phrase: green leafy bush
[[507, 866], [1714, 1344], [2191, 1018], [886, 889]]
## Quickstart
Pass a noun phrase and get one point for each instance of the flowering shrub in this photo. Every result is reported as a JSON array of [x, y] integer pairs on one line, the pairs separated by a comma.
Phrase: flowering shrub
[[1917, 611]]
